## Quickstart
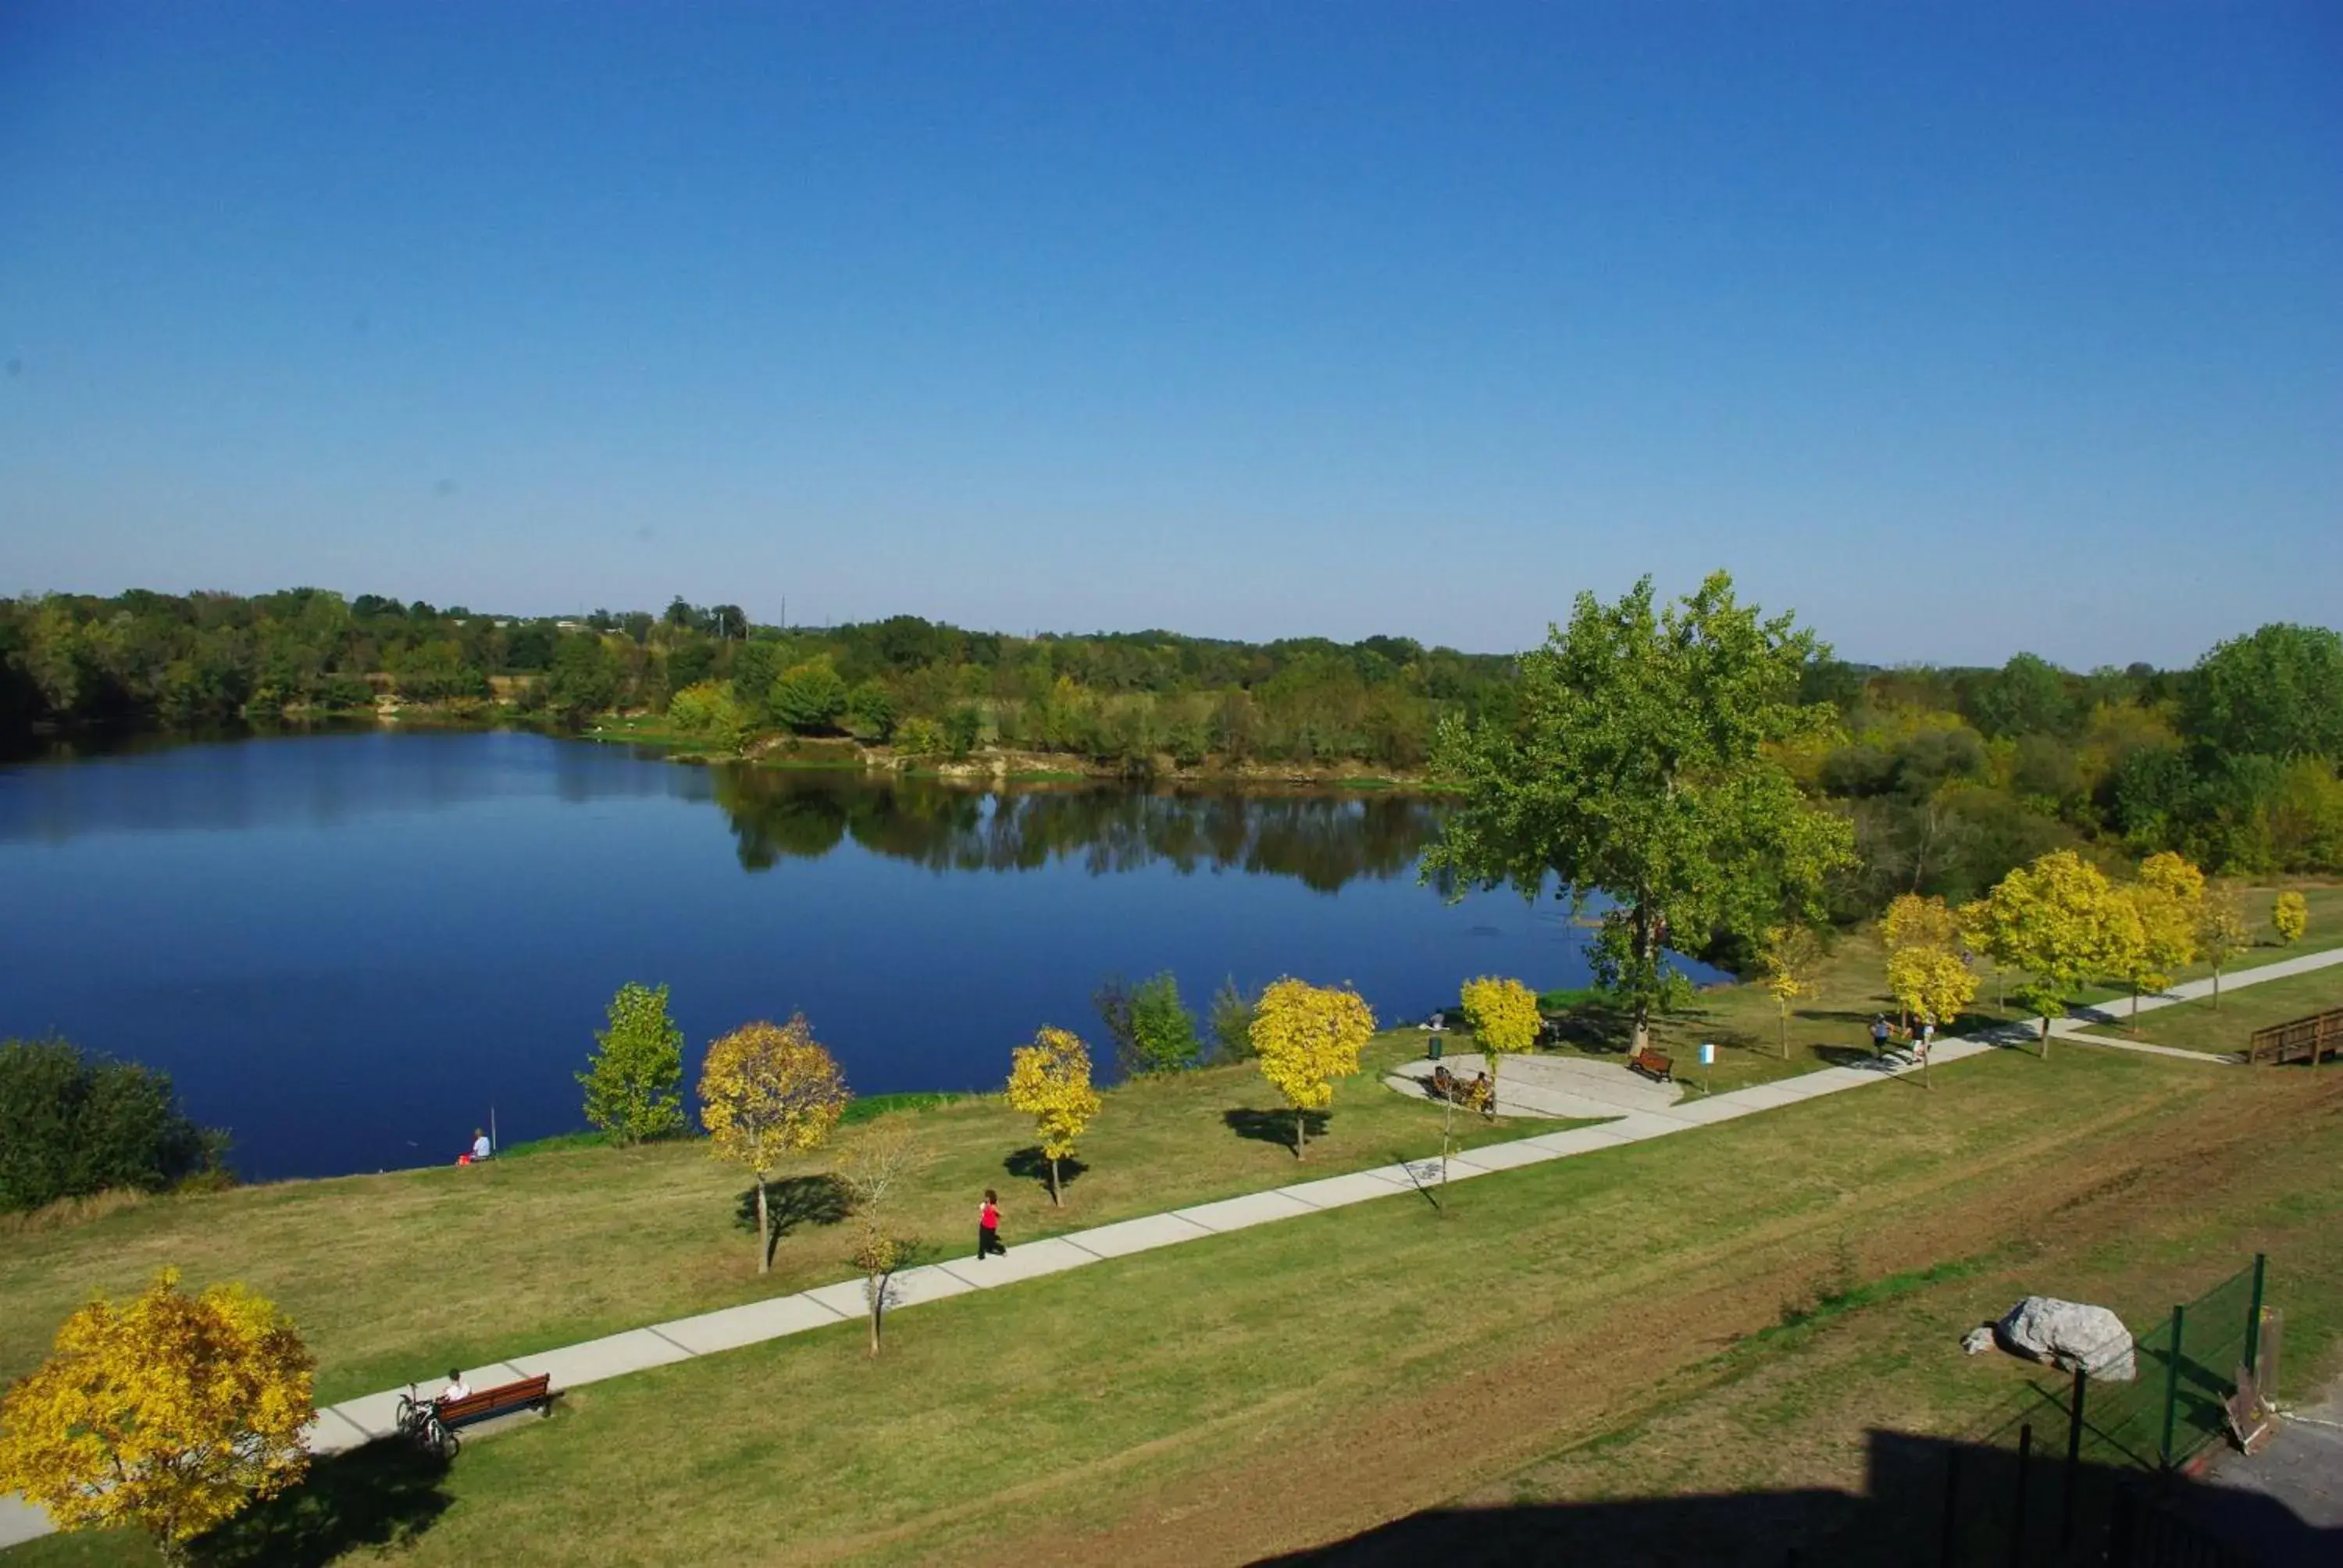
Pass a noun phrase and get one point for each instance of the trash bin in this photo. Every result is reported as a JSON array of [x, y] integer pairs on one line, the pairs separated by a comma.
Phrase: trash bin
[[1438, 1040]]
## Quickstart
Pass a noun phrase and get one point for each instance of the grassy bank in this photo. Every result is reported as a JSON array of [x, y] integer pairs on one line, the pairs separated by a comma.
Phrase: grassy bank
[[588, 1240], [2202, 1026], [1637, 1321]]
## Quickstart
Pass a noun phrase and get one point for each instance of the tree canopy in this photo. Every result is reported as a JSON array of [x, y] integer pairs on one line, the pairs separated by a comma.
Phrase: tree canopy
[[1640, 773]]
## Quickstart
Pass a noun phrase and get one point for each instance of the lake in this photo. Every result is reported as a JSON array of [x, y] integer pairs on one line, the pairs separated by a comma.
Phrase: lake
[[349, 948]]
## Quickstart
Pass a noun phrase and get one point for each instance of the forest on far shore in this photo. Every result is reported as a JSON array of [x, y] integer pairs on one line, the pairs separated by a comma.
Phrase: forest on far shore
[[1951, 776]]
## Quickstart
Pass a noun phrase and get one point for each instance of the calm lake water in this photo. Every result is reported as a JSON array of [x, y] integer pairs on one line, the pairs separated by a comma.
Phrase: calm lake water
[[348, 948]]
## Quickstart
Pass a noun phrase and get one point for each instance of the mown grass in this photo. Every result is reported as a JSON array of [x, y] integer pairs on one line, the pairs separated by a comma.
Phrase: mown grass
[[564, 1240], [1651, 1318], [2202, 1026]]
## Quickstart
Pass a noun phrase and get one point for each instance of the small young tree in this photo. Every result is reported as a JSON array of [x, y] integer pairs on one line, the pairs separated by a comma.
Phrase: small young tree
[[2290, 917], [1916, 923], [2222, 932], [1050, 1080], [1790, 955], [1930, 982], [1503, 1014], [1152, 1028], [1306, 1036], [634, 1083], [171, 1412], [767, 1091], [873, 1169], [2060, 921], [2164, 908], [1230, 1021]]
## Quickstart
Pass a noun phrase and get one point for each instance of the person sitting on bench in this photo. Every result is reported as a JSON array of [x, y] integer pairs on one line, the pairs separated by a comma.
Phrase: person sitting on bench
[[457, 1389]]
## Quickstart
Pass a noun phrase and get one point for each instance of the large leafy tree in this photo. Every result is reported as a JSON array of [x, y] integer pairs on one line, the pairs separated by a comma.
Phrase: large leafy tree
[[2061, 921], [1638, 770], [170, 1412], [2279, 692], [766, 1091]]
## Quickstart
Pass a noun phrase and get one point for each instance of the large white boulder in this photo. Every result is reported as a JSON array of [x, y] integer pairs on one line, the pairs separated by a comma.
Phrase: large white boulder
[[2070, 1335]]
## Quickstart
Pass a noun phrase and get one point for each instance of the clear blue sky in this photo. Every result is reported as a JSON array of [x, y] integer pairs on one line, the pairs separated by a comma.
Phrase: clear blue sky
[[1958, 329]]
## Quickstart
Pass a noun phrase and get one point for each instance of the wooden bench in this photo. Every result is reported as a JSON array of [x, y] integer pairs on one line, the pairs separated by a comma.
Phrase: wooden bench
[[1653, 1066], [433, 1422]]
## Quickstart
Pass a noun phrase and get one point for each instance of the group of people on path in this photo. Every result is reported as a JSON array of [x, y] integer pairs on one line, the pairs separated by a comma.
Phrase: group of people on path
[[1922, 1036]]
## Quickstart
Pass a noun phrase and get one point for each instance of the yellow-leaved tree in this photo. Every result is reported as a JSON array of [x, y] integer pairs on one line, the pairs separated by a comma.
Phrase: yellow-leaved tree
[[1930, 983], [1916, 924], [767, 1091], [2163, 906], [2061, 921], [2222, 932], [170, 1412], [2291, 916], [1503, 1014], [1306, 1036], [1050, 1080], [1790, 955]]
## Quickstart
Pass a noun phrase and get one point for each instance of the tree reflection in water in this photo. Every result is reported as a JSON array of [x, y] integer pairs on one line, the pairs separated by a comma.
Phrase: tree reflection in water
[[1324, 840]]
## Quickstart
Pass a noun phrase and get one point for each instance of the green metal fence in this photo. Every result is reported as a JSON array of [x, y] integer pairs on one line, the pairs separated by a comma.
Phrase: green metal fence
[[2187, 1369]]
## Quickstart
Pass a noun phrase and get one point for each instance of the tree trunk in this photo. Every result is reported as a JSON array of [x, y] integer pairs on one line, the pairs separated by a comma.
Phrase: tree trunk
[[2133, 1028], [877, 1306], [1301, 1132], [764, 1230], [2045, 1037], [1785, 1031], [2216, 988], [1054, 1199]]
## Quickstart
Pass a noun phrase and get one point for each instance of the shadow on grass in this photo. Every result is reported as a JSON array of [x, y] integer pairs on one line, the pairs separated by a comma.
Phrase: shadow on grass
[[1030, 1164], [384, 1495], [1272, 1126], [791, 1202]]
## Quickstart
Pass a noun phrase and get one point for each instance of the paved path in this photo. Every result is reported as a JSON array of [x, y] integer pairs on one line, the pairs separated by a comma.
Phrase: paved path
[[362, 1420], [2284, 1503]]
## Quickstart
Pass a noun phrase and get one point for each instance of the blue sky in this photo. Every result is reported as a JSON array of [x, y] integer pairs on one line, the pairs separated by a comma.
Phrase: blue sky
[[1958, 329]]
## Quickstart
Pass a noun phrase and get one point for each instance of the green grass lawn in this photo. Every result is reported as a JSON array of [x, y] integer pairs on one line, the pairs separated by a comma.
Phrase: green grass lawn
[[585, 1242], [2202, 1026], [1611, 1324]]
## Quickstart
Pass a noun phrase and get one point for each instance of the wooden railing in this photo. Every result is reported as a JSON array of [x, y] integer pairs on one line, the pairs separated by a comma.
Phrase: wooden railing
[[2304, 1040]]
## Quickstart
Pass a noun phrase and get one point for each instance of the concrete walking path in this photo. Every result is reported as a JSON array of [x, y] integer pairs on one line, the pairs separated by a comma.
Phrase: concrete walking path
[[355, 1422]]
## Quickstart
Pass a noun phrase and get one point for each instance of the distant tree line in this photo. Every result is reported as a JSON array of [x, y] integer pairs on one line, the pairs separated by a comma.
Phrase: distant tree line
[[1951, 777], [1135, 698]]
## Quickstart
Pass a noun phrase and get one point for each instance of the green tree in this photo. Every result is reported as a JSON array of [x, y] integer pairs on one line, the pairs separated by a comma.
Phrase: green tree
[[584, 680], [870, 712], [71, 1125], [2028, 695], [711, 712], [809, 697], [2279, 692], [1230, 1021], [1640, 770], [634, 1081], [963, 726], [1152, 1028]]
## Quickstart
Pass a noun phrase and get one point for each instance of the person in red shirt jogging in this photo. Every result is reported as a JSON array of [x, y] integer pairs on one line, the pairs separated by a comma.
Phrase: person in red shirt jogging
[[988, 1227]]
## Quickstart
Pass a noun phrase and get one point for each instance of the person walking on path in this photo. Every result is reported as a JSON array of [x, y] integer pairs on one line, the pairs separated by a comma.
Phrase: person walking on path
[[988, 1227], [1879, 1034]]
